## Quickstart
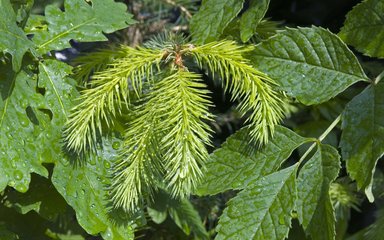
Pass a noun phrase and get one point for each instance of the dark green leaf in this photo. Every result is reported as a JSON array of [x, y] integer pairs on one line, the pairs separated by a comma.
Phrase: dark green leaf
[[252, 17], [262, 210], [19, 153], [364, 28], [233, 166], [82, 21], [181, 211], [314, 207], [311, 64], [362, 142], [214, 15], [12, 38], [84, 189], [41, 197], [59, 96]]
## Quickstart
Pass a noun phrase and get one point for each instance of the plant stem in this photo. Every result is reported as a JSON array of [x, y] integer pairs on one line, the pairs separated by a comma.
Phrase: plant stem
[[378, 78], [321, 138]]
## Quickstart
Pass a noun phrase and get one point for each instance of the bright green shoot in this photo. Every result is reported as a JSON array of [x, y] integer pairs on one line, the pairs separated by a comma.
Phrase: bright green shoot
[[165, 144]]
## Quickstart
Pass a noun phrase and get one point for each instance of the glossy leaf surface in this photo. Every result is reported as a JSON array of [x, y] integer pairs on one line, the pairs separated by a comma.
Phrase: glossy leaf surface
[[82, 21], [310, 64], [233, 166]]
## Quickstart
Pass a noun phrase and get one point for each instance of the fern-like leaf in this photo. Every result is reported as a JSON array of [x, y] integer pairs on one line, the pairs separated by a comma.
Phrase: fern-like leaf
[[110, 89], [255, 89]]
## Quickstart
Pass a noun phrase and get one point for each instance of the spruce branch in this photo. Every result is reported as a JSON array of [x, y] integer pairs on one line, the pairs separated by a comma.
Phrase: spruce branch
[[256, 90], [110, 90], [139, 166], [184, 144]]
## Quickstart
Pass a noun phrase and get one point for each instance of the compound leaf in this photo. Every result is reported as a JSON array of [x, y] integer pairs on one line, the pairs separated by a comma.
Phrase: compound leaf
[[362, 142], [311, 64], [262, 210], [313, 205], [233, 166], [251, 18], [209, 22], [364, 28], [83, 21], [84, 189], [12, 38]]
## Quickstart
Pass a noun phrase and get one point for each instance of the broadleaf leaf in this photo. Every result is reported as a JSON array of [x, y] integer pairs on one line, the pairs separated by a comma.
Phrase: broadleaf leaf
[[262, 210], [12, 38], [84, 189], [364, 28], [81, 21], [252, 17], [311, 64], [233, 166], [314, 207], [214, 15], [362, 141]]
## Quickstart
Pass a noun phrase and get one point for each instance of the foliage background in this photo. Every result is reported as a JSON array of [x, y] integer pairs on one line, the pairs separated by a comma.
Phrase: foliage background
[[53, 218]]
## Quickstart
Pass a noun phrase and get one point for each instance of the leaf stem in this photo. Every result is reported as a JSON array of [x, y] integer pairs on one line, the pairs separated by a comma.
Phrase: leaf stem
[[321, 138], [378, 78]]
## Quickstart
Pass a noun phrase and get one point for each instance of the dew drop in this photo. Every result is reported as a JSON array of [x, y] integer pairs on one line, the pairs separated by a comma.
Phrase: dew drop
[[93, 205], [107, 165], [18, 175], [116, 145], [21, 188]]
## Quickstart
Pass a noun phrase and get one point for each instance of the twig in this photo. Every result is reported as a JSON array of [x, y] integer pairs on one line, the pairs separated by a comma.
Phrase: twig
[[182, 8]]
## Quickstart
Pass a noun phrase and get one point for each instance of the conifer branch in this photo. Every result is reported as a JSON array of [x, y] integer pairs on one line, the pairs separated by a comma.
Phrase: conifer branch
[[255, 89], [110, 89], [184, 144], [139, 166]]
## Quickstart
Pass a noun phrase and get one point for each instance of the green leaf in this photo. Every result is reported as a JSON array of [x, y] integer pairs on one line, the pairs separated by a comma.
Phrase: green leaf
[[84, 189], [209, 22], [83, 21], [364, 28], [233, 167], [41, 197], [252, 17], [181, 211], [262, 210], [362, 142], [310, 64], [59, 96], [313, 205], [19, 153], [12, 38]]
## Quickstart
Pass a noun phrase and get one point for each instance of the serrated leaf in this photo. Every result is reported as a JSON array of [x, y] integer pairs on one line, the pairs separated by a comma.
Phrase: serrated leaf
[[313, 205], [12, 38], [310, 64], [252, 17], [83, 21], [233, 167], [362, 142], [364, 28], [262, 210], [210, 21], [19, 154], [84, 189]]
